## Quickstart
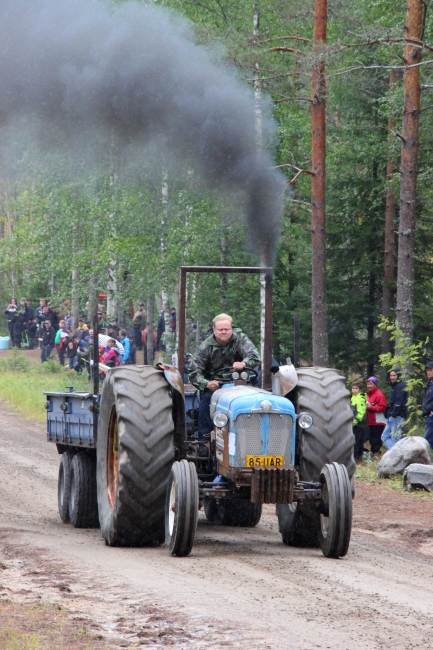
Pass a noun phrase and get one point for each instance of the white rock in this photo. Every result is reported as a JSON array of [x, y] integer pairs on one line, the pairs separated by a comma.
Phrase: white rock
[[417, 475], [405, 452]]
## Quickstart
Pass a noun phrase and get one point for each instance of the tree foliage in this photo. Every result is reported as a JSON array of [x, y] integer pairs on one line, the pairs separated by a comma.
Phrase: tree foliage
[[51, 225]]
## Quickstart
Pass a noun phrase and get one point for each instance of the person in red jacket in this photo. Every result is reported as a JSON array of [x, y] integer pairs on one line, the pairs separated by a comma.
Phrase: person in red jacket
[[376, 406]]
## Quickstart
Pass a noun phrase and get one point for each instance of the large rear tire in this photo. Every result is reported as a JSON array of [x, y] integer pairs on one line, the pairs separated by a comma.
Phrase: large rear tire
[[239, 512], [336, 516], [298, 524], [210, 507], [83, 505], [322, 393], [135, 452], [181, 508]]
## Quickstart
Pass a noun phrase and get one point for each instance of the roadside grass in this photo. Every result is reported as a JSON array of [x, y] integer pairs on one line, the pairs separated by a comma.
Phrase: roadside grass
[[22, 384], [367, 472], [44, 626]]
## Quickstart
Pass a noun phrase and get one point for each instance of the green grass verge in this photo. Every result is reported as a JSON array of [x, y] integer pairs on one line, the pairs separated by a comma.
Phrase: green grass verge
[[367, 472], [22, 384], [44, 626]]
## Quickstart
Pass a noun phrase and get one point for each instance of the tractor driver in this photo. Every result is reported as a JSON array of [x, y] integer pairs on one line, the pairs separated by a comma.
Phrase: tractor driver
[[225, 347]]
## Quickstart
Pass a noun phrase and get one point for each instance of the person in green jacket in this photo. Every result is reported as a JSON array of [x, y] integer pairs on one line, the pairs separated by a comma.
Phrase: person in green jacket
[[359, 408]]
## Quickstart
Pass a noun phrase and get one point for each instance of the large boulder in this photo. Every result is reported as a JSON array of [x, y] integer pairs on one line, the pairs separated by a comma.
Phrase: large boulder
[[418, 476], [406, 451]]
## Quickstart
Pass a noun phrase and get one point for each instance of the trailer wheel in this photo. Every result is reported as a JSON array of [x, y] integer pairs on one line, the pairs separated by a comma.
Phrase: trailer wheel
[[135, 452], [181, 508], [210, 508], [239, 512], [64, 485], [322, 393], [83, 506], [336, 511]]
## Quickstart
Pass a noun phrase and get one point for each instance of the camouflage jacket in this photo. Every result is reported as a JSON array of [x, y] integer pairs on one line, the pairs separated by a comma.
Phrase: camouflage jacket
[[212, 356]]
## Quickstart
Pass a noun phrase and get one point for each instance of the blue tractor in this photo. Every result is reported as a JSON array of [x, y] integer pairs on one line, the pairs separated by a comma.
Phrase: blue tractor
[[131, 462], [269, 447]]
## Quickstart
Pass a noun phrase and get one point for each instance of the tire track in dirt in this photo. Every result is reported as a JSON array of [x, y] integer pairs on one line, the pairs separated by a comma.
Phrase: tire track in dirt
[[240, 588]]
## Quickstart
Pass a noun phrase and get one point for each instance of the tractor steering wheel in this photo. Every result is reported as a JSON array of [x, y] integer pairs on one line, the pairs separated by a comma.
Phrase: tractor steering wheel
[[218, 374]]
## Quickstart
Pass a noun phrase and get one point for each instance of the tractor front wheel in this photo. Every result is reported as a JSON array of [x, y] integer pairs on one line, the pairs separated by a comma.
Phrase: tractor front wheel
[[335, 511], [322, 393], [181, 508]]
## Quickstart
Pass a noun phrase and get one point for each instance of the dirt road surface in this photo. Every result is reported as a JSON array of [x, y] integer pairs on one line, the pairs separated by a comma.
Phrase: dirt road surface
[[241, 588]]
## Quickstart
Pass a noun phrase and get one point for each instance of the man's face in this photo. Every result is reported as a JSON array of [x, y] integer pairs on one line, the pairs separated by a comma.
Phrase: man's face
[[45, 310], [429, 372], [222, 331], [355, 390], [141, 308], [393, 377]]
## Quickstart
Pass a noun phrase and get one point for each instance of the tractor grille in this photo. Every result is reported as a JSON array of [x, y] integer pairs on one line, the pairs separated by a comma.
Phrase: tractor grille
[[280, 437], [249, 442]]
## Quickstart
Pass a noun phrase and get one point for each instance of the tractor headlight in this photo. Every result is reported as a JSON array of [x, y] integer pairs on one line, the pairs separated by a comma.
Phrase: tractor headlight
[[305, 420], [244, 375], [220, 419], [266, 406]]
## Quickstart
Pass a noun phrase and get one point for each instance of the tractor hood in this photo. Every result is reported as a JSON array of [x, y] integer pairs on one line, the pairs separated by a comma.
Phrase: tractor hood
[[235, 400]]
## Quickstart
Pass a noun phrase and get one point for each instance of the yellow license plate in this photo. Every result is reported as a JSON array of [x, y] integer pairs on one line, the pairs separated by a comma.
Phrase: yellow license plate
[[264, 461]]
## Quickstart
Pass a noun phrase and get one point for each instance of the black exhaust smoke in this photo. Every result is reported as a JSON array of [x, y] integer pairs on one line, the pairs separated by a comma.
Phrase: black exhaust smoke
[[82, 67]]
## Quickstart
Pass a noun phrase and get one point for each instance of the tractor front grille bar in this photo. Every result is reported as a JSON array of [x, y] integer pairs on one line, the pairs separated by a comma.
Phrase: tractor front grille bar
[[272, 485]]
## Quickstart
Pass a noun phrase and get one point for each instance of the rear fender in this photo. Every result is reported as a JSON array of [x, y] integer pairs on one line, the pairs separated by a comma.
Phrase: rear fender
[[174, 378]]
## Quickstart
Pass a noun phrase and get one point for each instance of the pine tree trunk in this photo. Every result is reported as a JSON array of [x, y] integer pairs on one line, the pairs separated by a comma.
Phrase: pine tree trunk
[[408, 168], [318, 216], [388, 294]]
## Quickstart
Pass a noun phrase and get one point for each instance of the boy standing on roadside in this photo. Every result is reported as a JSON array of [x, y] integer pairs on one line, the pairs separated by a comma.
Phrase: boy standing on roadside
[[359, 408]]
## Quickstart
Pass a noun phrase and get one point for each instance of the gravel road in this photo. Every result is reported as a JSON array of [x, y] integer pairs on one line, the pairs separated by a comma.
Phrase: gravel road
[[241, 588]]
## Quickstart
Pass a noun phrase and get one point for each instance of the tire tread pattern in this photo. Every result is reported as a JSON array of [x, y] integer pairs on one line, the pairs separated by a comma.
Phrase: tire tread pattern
[[141, 397], [84, 514], [184, 476], [322, 393]]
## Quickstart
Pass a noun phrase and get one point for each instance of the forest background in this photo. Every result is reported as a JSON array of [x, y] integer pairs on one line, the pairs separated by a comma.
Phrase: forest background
[[62, 233]]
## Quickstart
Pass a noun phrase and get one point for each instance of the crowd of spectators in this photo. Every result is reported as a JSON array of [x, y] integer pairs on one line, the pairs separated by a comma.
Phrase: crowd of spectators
[[50, 329], [380, 421], [375, 419]]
